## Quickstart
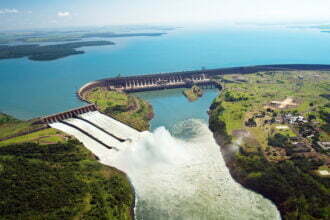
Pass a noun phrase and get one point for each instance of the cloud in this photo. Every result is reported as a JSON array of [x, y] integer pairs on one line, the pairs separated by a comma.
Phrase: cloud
[[63, 14], [8, 11]]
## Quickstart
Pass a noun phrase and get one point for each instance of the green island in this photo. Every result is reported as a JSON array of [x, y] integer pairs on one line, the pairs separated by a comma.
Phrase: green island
[[126, 108], [49, 52], [52, 52], [62, 36], [50, 39], [193, 93], [79, 37], [114, 35], [274, 132]]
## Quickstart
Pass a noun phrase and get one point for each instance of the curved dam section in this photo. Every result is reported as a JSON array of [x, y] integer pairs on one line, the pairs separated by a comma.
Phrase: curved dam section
[[184, 79]]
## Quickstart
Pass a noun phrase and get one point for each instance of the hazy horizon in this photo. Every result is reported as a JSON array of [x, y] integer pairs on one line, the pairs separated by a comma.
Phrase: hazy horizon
[[21, 14]]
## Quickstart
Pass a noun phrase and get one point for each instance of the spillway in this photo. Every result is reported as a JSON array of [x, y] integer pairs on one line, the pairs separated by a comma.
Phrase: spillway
[[176, 177], [90, 129], [97, 148], [111, 125]]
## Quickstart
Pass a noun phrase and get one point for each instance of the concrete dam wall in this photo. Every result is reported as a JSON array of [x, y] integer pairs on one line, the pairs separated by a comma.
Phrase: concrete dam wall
[[185, 79]]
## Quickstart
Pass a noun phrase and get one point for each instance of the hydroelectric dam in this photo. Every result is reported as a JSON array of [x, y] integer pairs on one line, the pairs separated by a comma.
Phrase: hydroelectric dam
[[185, 79], [162, 167], [92, 126]]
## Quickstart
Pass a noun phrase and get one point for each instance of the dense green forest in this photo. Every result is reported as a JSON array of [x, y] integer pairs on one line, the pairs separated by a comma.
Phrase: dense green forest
[[50, 175], [289, 184], [59, 181], [49, 52]]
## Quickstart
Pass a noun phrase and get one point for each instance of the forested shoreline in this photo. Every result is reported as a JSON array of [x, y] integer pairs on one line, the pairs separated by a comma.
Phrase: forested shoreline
[[49, 52]]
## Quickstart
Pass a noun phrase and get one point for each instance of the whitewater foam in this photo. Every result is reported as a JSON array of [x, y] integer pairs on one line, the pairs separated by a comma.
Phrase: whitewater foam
[[181, 176]]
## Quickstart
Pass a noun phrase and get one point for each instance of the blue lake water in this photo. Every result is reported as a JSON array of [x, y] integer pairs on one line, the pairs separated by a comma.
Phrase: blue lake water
[[171, 107], [30, 89]]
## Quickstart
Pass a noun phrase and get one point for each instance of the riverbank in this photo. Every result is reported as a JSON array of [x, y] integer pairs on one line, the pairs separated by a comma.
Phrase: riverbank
[[270, 141], [49, 174]]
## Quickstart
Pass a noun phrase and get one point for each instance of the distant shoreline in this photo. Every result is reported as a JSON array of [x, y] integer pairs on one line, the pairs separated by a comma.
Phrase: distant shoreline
[[66, 44], [36, 52], [54, 37]]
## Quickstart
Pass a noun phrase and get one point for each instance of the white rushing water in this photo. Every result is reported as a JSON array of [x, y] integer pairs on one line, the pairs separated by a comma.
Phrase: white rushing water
[[117, 128], [176, 176]]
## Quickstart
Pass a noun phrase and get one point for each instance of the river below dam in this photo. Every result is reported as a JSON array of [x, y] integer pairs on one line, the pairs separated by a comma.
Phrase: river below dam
[[177, 171], [177, 178]]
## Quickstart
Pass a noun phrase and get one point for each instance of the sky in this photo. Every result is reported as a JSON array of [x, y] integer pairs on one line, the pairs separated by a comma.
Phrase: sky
[[18, 14]]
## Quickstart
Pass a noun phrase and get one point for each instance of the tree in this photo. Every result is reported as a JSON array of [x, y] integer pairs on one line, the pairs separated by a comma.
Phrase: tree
[[278, 140]]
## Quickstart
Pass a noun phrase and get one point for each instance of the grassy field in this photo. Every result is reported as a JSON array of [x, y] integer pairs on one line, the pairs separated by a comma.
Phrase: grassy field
[[47, 136], [50, 175], [249, 114], [10, 126], [262, 88], [126, 108]]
